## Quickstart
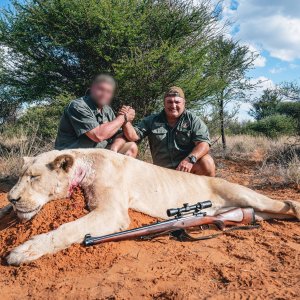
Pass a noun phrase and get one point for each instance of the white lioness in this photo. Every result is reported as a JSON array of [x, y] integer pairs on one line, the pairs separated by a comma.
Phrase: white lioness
[[113, 183]]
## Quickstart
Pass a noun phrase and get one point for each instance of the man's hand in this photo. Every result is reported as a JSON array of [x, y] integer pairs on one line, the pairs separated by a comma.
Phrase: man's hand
[[128, 111], [185, 166], [123, 110], [130, 115]]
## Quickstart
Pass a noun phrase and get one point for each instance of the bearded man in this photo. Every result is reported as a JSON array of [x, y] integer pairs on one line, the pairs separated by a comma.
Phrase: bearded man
[[89, 121], [178, 138]]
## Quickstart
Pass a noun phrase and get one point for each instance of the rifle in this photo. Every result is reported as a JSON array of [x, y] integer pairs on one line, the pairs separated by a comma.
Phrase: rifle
[[188, 216]]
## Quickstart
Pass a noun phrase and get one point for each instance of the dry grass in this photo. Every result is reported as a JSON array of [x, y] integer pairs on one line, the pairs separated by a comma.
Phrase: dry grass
[[283, 163], [247, 146], [14, 148], [292, 171], [279, 158]]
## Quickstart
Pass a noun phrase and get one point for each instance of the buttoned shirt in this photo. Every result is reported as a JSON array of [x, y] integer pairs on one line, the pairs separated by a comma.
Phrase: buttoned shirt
[[79, 117], [170, 145]]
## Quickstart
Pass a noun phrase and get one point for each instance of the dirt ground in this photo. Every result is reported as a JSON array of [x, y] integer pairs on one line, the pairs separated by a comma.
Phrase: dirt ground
[[256, 264]]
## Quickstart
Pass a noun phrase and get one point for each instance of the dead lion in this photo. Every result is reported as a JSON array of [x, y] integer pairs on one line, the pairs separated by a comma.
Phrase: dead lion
[[113, 183]]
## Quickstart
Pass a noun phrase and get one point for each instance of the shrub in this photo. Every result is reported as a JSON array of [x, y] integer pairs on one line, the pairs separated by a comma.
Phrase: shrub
[[45, 116], [274, 126], [13, 147], [282, 166]]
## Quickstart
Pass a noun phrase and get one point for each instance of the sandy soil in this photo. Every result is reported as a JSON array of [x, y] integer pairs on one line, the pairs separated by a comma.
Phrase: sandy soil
[[256, 264]]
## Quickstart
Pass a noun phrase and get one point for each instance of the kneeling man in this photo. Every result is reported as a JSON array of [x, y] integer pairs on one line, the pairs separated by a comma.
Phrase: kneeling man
[[89, 121], [178, 138]]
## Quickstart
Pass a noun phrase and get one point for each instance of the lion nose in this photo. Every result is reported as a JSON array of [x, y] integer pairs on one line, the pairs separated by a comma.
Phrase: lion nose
[[14, 201]]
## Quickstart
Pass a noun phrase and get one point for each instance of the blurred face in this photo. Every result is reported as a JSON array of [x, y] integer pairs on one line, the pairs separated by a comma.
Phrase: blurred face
[[174, 106], [102, 93]]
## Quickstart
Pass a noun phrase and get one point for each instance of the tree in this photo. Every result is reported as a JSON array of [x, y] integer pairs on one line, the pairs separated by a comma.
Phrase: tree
[[291, 91], [9, 104], [273, 126], [229, 63], [58, 46], [44, 119], [279, 101], [266, 105]]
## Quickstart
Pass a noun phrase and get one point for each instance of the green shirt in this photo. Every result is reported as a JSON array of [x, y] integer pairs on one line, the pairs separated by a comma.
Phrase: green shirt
[[169, 146], [79, 117]]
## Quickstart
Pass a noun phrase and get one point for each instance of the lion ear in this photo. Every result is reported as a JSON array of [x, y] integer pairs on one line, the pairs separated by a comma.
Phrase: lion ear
[[64, 162], [27, 159]]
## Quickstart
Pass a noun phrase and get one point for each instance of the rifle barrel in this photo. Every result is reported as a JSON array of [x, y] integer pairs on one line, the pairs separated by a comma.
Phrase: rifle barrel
[[237, 216]]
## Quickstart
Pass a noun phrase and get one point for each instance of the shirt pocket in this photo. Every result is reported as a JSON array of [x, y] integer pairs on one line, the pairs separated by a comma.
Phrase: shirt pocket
[[183, 137], [159, 134]]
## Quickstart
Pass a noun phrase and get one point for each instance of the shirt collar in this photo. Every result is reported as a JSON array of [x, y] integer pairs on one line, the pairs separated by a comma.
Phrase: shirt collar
[[92, 105], [164, 117]]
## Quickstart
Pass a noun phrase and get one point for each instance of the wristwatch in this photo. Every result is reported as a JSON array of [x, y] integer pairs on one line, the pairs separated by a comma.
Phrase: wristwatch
[[193, 159]]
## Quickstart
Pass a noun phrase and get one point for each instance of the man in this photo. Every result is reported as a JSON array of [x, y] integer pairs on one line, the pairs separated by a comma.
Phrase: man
[[89, 121], [178, 138]]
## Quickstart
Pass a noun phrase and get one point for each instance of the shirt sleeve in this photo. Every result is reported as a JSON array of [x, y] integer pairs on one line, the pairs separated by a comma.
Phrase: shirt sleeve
[[143, 128], [110, 113], [81, 118], [200, 131]]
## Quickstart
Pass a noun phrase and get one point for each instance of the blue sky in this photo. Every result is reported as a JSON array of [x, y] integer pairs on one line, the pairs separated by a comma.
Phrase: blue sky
[[4, 3], [271, 28]]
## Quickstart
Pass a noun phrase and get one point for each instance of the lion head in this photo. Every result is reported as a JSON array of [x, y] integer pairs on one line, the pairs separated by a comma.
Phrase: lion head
[[43, 178]]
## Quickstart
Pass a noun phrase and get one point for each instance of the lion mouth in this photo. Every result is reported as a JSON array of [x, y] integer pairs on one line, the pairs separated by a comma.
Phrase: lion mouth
[[28, 211]]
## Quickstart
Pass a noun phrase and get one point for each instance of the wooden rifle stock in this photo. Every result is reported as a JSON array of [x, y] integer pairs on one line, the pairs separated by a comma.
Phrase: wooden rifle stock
[[233, 217]]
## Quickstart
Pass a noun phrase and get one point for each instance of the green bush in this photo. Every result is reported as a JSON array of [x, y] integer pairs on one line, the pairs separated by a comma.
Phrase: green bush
[[61, 45], [291, 109], [46, 117], [273, 126]]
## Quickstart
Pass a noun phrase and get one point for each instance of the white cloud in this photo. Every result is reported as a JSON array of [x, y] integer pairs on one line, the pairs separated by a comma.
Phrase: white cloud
[[244, 112], [274, 25], [263, 83], [260, 61], [276, 70], [294, 66]]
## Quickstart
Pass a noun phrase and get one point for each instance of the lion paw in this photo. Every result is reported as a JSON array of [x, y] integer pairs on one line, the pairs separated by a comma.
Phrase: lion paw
[[295, 206], [29, 251]]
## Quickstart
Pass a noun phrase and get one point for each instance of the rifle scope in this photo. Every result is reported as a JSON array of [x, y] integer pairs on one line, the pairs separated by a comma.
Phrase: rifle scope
[[187, 208]]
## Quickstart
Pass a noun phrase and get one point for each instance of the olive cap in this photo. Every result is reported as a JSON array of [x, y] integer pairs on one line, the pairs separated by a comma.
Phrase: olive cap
[[175, 91]]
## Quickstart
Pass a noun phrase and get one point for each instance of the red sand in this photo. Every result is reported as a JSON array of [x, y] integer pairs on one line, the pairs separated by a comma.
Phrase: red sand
[[256, 264]]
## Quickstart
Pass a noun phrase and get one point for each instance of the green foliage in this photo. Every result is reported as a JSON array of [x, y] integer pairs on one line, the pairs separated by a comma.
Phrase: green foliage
[[8, 103], [266, 105], [235, 127], [58, 46], [45, 117], [273, 126], [230, 62], [271, 104], [291, 109], [8, 110], [290, 90]]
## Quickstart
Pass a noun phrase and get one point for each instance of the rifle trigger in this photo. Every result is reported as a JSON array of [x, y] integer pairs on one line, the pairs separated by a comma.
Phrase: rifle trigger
[[178, 234], [204, 227]]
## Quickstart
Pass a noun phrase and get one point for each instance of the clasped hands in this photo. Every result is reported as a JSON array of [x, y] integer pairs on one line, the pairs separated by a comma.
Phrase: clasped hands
[[128, 112]]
